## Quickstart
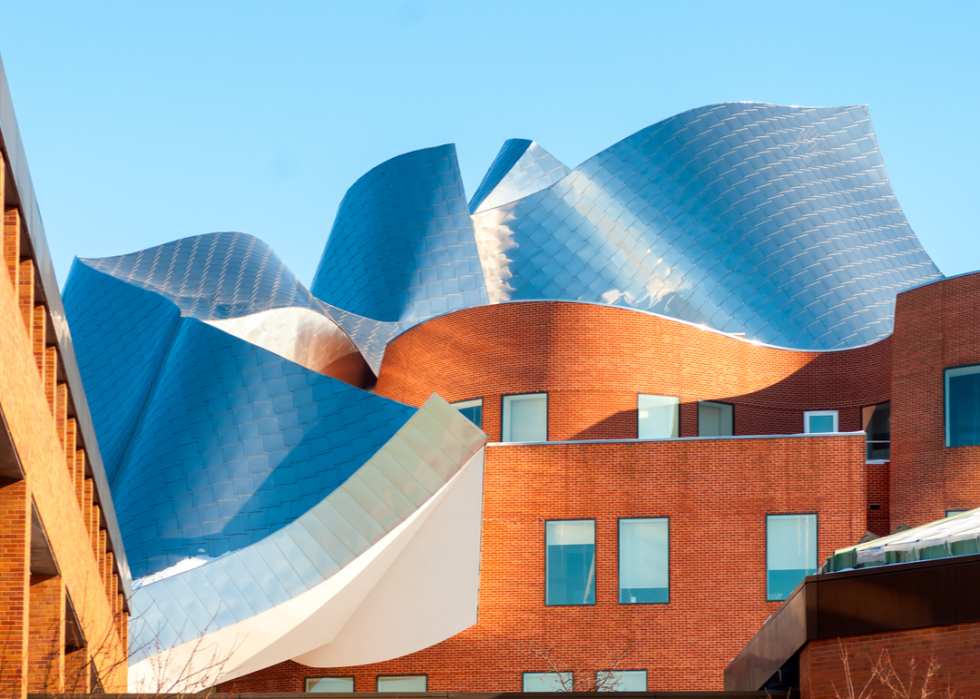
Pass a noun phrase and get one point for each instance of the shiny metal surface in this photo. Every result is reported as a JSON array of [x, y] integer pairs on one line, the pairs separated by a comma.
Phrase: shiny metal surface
[[302, 554], [402, 246], [212, 442], [520, 169], [776, 221]]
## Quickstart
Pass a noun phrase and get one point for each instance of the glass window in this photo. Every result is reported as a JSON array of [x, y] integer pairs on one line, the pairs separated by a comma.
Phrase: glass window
[[525, 418], [644, 561], [548, 681], [816, 421], [402, 683], [791, 552], [658, 416], [570, 562], [621, 681], [472, 410], [950, 513], [714, 419], [877, 421], [963, 406], [329, 684]]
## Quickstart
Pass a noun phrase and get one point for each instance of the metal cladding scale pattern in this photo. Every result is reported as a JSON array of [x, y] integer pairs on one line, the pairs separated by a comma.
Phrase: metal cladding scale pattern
[[402, 245], [775, 221], [521, 168], [213, 442]]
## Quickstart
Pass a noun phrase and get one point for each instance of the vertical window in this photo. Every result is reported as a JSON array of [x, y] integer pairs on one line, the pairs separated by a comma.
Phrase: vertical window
[[817, 421], [548, 682], [329, 684], [621, 681], [658, 416], [715, 419], [525, 418], [402, 683], [877, 421], [644, 561], [570, 562], [791, 552], [472, 410], [963, 406]]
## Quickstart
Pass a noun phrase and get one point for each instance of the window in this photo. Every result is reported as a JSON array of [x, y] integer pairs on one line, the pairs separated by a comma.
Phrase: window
[[658, 416], [402, 683], [816, 421], [548, 681], [644, 561], [714, 419], [472, 410], [963, 406], [950, 513], [525, 418], [570, 562], [791, 552], [329, 684], [877, 422], [621, 680]]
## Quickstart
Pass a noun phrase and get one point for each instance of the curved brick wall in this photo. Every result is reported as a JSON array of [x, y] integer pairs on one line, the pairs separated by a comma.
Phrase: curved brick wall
[[935, 328], [594, 360]]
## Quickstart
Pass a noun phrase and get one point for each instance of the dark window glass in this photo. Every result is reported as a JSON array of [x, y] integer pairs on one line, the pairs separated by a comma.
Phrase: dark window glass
[[963, 406], [570, 562], [877, 421], [472, 410]]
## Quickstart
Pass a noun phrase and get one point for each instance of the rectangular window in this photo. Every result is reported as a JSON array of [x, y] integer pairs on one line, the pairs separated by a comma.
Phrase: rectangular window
[[951, 513], [329, 684], [877, 421], [525, 418], [963, 406], [472, 410], [817, 421], [570, 562], [621, 681], [791, 552], [715, 419], [658, 416], [402, 683], [644, 561], [548, 682]]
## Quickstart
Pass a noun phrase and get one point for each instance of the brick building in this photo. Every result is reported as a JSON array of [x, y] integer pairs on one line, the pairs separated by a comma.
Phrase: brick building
[[63, 576], [590, 429]]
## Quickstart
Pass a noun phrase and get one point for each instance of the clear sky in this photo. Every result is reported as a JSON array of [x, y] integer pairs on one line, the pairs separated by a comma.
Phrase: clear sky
[[146, 122]]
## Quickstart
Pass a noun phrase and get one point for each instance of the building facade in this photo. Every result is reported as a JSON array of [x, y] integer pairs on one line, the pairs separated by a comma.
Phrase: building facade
[[677, 364], [63, 576]]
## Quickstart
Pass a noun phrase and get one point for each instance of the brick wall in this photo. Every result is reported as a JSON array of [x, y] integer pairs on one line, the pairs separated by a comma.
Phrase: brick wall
[[955, 648], [935, 328], [716, 494], [594, 360]]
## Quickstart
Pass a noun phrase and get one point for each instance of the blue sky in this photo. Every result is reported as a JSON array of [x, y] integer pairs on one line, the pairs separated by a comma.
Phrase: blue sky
[[147, 122]]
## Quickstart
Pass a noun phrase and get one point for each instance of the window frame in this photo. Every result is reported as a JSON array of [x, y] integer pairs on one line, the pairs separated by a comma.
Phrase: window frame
[[470, 403], [816, 546], [306, 682], [869, 442], [524, 673], [595, 554], [547, 427], [378, 678], [946, 412], [619, 563], [807, 414], [646, 679], [663, 395], [716, 402]]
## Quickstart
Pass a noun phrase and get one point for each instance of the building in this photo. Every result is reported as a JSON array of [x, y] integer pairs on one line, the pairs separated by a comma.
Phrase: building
[[677, 362], [64, 581]]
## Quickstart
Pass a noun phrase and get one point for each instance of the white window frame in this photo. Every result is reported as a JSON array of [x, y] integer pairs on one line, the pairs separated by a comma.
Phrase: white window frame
[[505, 412], [468, 403], [807, 414]]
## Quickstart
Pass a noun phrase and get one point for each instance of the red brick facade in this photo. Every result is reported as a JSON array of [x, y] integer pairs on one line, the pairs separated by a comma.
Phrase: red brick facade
[[955, 648], [716, 494]]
